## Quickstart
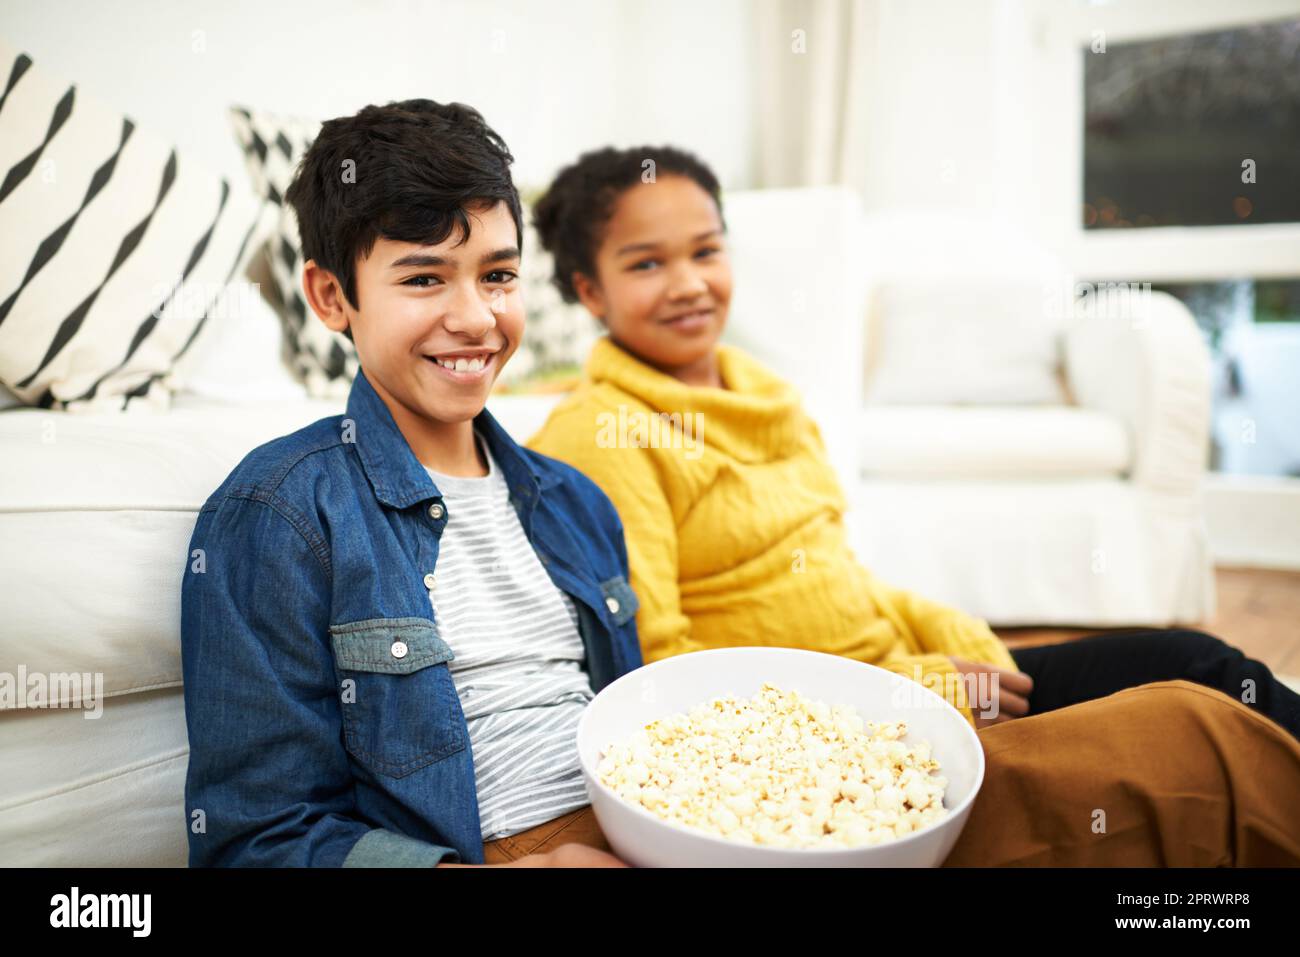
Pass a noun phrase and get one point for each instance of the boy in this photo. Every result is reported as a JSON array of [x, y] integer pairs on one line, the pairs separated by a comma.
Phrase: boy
[[393, 618]]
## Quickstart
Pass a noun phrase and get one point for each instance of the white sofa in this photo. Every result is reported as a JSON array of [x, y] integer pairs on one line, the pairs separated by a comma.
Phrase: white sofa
[[96, 513], [1087, 514], [1025, 502]]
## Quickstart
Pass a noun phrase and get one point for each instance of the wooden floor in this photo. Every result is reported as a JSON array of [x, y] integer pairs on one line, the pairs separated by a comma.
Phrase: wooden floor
[[1259, 612]]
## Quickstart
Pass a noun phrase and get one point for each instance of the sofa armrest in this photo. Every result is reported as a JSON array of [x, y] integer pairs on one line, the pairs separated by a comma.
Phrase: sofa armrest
[[1147, 365]]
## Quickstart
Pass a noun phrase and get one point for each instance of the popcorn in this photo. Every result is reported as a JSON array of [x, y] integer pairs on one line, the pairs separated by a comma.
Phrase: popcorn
[[779, 770]]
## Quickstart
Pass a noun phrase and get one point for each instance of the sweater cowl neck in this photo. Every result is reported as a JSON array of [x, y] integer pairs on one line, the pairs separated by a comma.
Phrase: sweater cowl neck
[[757, 418]]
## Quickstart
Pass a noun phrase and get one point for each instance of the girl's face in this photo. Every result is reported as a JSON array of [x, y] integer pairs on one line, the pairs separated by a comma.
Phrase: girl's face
[[663, 280]]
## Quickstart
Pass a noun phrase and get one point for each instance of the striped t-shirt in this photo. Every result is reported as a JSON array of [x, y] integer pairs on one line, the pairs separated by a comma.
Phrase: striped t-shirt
[[519, 666]]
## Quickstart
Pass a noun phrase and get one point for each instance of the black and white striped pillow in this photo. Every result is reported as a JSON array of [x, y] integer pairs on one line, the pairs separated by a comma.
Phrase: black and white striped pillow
[[114, 249], [273, 146]]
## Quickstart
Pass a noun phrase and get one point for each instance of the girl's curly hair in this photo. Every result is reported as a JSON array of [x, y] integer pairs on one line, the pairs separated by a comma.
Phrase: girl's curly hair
[[571, 216]]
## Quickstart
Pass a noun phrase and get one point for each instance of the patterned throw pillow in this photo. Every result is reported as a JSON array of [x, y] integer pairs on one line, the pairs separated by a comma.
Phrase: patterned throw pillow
[[114, 249], [273, 145], [558, 335]]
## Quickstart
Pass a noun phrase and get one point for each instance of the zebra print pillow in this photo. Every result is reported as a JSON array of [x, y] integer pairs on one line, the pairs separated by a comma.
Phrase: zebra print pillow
[[324, 360], [114, 250]]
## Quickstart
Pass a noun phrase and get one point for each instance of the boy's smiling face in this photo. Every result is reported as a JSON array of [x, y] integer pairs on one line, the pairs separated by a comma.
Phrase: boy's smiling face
[[435, 324], [663, 280]]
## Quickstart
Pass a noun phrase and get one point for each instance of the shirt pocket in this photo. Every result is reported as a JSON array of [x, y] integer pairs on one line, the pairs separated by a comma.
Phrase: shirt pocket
[[401, 711]]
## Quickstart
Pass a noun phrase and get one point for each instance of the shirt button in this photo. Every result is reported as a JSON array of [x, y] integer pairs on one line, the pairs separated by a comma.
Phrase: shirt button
[[430, 581], [435, 511], [612, 604], [399, 649]]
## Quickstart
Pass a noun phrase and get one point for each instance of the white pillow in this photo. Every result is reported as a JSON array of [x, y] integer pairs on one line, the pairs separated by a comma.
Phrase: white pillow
[[241, 359], [963, 341], [113, 248]]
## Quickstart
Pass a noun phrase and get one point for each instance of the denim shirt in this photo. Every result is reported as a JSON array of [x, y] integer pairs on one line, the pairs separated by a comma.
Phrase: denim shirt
[[324, 726]]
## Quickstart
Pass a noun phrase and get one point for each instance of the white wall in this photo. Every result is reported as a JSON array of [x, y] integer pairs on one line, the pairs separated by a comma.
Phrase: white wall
[[552, 79], [930, 112], [952, 122], [975, 111]]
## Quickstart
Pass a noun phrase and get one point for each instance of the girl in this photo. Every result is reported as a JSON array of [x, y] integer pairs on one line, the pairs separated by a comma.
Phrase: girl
[[735, 536]]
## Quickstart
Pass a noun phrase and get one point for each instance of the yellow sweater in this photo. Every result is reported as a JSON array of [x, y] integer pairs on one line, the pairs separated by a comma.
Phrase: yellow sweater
[[734, 522]]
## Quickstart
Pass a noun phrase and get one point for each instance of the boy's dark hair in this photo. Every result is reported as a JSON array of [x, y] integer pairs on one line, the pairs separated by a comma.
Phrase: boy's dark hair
[[571, 217], [416, 165]]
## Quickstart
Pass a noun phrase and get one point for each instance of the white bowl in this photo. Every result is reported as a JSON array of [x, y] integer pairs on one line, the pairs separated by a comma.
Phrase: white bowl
[[680, 683]]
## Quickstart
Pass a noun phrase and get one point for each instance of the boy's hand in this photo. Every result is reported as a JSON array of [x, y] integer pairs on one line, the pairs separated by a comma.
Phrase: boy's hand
[[566, 855], [569, 855], [1009, 697]]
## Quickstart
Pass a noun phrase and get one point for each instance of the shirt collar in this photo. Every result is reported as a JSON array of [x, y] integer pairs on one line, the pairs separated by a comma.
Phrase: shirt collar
[[396, 475]]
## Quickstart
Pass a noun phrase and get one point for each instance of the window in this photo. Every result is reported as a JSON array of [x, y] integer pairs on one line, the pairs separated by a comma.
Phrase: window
[[1252, 328], [1199, 129]]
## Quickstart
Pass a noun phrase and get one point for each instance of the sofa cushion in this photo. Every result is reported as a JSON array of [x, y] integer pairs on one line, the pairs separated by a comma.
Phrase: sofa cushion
[[96, 786], [963, 340], [992, 441]]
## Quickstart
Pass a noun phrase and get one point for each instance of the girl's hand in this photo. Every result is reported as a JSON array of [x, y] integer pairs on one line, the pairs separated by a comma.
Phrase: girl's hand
[[1009, 696]]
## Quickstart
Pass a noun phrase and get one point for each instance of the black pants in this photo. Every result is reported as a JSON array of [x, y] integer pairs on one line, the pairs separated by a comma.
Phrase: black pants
[[1097, 665]]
